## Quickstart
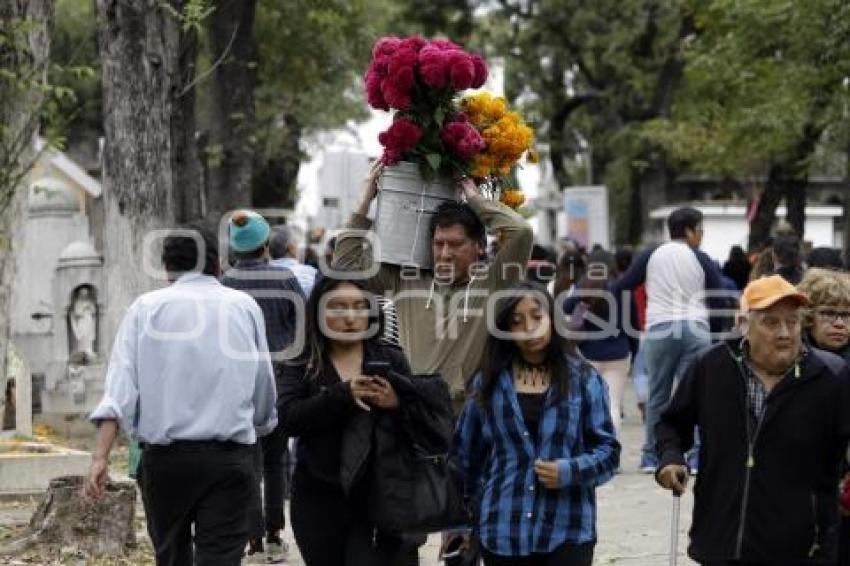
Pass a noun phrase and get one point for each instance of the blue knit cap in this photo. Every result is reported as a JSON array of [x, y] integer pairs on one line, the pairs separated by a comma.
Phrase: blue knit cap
[[248, 231]]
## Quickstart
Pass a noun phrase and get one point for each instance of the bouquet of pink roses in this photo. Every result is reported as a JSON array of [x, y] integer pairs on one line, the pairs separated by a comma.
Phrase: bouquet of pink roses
[[420, 80]]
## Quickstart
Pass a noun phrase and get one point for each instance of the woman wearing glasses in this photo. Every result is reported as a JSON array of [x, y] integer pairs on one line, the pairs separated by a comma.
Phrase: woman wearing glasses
[[828, 328]]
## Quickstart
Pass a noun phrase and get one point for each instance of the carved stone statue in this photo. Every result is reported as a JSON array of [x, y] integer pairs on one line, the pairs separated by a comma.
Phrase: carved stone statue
[[82, 319]]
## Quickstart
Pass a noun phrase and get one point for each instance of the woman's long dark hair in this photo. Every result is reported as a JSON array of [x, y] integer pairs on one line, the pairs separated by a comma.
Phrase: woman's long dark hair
[[316, 344], [499, 353]]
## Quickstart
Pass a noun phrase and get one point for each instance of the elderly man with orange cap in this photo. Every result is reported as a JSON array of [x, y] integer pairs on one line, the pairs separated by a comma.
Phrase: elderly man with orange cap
[[774, 415]]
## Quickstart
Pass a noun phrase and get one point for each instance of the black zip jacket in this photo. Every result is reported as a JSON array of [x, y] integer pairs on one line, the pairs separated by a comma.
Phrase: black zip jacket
[[319, 410], [766, 491]]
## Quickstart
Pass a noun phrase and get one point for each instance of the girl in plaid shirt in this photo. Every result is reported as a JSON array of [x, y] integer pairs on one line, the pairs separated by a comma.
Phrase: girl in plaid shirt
[[534, 440]]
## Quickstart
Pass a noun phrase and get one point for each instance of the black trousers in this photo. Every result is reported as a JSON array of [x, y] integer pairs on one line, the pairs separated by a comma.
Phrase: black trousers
[[200, 484], [844, 542], [565, 555], [266, 509], [330, 531]]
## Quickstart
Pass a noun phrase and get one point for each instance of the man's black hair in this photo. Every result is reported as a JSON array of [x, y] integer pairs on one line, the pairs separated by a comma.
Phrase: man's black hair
[[180, 252], [787, 250], [450, 213], [825, 258], [253, 254], [682, 219]]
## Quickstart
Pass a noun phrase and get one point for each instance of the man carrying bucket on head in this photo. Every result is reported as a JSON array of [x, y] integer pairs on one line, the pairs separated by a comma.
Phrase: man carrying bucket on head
[[442, 312]]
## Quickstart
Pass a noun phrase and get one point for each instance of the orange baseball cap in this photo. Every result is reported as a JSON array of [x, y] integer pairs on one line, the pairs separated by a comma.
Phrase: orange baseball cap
[[767, 291]]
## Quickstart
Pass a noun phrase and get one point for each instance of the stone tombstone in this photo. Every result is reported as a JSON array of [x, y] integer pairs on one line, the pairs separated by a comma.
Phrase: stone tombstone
[[74, 379]]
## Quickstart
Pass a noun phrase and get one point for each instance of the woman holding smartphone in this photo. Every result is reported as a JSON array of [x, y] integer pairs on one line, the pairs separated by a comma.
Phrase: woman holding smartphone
[[534, 441], [328, 399]]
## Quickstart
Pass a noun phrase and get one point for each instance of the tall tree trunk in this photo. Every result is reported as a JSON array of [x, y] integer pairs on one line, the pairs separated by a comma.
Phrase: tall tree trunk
[[24, 29], [769, 199], [188, 177], [795, 204], [140, 48], [232, 145], [275, 177], [786, 178]]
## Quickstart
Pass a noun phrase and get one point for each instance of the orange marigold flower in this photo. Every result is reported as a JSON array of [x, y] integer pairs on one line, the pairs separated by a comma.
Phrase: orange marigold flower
[[511, 197]]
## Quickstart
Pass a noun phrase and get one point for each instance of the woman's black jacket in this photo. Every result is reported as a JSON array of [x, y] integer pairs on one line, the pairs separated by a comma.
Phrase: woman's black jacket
[[337, 440]]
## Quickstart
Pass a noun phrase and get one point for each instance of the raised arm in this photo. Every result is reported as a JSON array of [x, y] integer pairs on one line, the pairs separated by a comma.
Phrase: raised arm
[[510, 263], [353, 251]]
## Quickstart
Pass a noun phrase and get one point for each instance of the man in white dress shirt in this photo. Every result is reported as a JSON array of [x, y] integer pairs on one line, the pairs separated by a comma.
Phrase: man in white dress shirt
[[190, 378]]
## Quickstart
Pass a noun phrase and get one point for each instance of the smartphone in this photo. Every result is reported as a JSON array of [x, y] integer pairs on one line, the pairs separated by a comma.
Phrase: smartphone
[[381, 369]]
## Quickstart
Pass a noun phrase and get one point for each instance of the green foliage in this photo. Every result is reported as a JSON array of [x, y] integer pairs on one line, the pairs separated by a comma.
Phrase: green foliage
[[312, 54], [193, 14], [434, 18], [75, 68], [588, 75], [607, 58], [34, 100], [759, 73]]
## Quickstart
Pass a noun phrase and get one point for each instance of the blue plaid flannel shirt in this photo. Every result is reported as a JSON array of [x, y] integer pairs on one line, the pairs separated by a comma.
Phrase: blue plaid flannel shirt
[[516, 515]]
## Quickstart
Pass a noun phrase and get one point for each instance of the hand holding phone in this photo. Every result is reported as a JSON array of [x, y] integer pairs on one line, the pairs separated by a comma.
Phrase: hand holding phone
[[376, 368]]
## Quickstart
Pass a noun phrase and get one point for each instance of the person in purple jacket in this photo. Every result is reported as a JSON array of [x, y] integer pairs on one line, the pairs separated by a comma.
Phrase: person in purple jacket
[[602, 337]]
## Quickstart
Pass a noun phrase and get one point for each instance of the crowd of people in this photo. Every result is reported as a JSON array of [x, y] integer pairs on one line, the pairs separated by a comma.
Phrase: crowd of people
[[482, 397]]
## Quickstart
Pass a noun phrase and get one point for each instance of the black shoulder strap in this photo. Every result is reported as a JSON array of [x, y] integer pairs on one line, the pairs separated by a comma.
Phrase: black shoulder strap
[[835, 364]]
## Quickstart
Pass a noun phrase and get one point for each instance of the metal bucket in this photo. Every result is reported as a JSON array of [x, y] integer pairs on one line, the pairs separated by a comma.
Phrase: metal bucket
[[406, 203]]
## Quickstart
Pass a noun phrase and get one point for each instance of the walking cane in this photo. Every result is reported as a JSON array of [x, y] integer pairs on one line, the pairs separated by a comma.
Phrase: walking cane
[[674, 529]]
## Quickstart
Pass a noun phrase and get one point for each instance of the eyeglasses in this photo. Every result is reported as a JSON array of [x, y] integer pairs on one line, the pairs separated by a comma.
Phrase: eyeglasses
[[832, 316]]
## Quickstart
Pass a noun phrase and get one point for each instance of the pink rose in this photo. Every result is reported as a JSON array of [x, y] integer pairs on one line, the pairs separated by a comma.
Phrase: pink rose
[[480, 71], [383, 50], [462, 139], [386, 46], [400, 138], [374, 96], [461, 70], [445, 44], [400, 69], [432, 67], [413, 42], [396, 97]]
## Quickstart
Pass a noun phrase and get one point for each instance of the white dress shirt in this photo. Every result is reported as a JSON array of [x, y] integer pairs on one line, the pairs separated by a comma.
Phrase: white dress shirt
[[190, 362]]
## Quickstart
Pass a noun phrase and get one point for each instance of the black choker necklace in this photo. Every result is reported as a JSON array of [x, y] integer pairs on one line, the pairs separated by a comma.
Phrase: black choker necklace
[[526, 365], [530, 373]]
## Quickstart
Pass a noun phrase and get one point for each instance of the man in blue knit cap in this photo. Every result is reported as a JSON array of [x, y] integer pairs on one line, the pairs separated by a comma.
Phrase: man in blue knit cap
[[277, 291]]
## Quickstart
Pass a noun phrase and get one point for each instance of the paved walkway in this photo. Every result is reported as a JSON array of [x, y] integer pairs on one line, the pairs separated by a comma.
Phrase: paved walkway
[[634, 518]]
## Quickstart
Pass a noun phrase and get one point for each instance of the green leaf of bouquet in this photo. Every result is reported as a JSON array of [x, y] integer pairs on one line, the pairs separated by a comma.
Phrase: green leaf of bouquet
[[440, 115], [434, 160]]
